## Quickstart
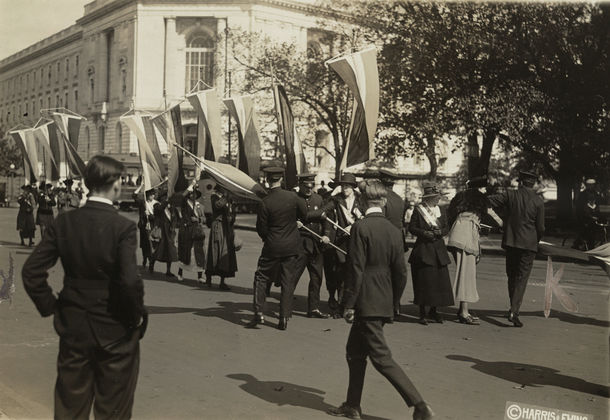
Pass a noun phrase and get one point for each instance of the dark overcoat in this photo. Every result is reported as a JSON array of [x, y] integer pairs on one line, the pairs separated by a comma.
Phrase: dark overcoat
[[222, 259]]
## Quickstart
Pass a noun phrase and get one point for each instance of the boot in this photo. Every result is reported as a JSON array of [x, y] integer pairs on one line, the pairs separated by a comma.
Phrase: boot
[[283, 324]]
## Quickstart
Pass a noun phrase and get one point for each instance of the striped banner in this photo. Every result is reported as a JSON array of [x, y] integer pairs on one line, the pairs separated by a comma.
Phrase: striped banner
[[295, 159], [49, 164], [151, 172], [209, 139], [19, 137], [151, 138], [169, 124], [359, 72], [68, 127], [248, 153]]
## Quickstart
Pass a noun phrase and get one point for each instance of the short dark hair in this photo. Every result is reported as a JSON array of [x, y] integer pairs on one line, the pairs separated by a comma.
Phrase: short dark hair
[[274, 177], [101, 172], [373, 191]]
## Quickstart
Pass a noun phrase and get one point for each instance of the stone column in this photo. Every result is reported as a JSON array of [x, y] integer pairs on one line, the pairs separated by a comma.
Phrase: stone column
[[172, 72], [101, 69]]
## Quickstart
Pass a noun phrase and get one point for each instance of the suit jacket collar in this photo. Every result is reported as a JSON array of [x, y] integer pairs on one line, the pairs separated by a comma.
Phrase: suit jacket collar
[[99, 206]]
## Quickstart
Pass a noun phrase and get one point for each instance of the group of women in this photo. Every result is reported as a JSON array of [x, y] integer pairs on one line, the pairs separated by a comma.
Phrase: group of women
[[429, 259], [174, 230]]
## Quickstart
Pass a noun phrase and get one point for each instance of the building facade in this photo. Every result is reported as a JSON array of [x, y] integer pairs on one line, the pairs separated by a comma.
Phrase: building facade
[[145, 55]]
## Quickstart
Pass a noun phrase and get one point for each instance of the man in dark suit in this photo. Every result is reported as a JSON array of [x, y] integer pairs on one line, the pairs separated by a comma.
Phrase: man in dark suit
[[98, 312], [395, 207], [376, 273], [523, 229], [344, 209], [312, 258], [276, 225]]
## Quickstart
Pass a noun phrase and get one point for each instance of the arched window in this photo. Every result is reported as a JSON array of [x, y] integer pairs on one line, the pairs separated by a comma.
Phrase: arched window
[[119, 137], [200, 48], [102, 139]]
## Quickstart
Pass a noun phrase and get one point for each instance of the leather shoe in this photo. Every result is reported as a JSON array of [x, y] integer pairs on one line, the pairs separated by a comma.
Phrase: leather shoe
[[422, 321], [516, 322], [317, 314], [258, 319], [346, 411], [422, 412], [283, 324]]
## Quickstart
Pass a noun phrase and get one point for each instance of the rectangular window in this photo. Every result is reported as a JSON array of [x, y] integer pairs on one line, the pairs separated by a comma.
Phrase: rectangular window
[[57, 105], [57, 75], [66, 100], [76, 67], [50, 75], [34, 81], [76, 100], [67, 68], [41, 76], [27, 82], [41, 104]]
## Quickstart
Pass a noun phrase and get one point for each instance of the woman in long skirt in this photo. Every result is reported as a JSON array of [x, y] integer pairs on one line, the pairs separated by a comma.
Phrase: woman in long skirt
[[25, 217], [222, 260], [465, 212], [146, 221], [429, 258], [191, 236], [167, 220]]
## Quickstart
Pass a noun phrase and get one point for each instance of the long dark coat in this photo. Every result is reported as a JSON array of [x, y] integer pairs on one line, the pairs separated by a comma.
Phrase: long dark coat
[[25, 217], [188, 219], [145, 224], [429, 260], [166, 250], [222, 260]]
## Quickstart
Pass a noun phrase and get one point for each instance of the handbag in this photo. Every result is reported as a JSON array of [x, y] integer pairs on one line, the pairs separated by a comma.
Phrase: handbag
[[198, 232], [155, 234]]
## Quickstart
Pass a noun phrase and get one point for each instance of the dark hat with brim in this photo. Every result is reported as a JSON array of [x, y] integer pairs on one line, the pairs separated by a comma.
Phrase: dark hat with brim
[[273, 170], [347, 179], [387, 176], [307, 179], [477, 182], [527, 175], [431, 190], [26, 187], [48, 185], [68, 182]]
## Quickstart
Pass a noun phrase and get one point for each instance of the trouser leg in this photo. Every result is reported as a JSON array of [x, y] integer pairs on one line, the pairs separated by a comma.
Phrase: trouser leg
[[512, 262], [356, 353], [288, 283], [329, 272], [381, 357], [526, 261], [315, 265], [74, 386], [262, 277], [116, 378]]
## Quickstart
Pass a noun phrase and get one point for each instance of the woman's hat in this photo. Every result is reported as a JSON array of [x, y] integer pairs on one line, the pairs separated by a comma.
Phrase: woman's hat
[[347, 179], [477, 182], [430, 190]]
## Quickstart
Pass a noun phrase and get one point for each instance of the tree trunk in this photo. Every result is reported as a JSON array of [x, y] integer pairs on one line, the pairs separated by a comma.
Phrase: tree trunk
[[566, 178], [489, 139], [472, 153], [431, 155]]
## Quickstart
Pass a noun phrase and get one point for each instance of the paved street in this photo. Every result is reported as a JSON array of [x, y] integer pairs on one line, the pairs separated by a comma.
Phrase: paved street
[[198, 360]]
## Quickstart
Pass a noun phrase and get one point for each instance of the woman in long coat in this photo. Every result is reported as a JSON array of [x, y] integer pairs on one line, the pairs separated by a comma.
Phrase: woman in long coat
[[25, 217], [465, 213], [429, 258], [146, 221], [166, 219], [191, 235], [222, 260], [46, 202]]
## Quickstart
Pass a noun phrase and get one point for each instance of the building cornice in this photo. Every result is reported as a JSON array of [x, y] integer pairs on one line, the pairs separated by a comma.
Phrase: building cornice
[[23, 56], [104, 11]]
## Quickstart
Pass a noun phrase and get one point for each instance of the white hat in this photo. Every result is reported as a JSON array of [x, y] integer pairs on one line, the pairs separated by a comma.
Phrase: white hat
[[590, 181]]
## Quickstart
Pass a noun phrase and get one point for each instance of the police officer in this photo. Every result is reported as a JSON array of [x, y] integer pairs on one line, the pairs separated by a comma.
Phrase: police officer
[[276, 225], [523, 229], [313, 258]]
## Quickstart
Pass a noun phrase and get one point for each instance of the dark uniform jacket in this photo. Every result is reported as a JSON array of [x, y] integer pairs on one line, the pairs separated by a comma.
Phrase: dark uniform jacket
[[313, 203], [524, 221], [429, 249], [276, 223], [102, 297], [395, 209], [376, 267]]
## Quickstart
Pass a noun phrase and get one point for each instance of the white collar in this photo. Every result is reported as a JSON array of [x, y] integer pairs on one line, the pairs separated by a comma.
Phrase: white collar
[[99, 200], [373, 210]]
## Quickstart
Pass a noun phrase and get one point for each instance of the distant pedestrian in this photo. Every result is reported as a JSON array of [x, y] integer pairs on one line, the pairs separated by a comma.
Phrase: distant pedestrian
[[146, 221], [222, 257], [25, 217], [46, 202], [523, 229], [99, 314], [376, 275], [429, 258], [166, 220], [466, 210]]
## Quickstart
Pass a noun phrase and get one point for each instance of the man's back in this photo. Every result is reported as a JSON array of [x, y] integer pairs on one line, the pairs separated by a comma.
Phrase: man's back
[[276, 223], [101, 284], [395, 208], [524, 224], [377, 270]]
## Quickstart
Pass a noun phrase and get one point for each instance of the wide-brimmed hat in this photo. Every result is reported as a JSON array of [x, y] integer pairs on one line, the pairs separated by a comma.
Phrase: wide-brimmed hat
[[347, 179], [527, 175], [431, 190], [387, 176]]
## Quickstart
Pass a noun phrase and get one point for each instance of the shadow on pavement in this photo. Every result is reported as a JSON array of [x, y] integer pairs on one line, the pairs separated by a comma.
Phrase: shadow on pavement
[[532, 375], [488, 315], [285, 393]]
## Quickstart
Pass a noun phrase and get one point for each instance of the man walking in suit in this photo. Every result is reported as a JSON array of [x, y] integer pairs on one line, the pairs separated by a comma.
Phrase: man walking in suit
[[312, 259], [523, 229], [98, 312], [395, 207], [276, 225], [376, 273]]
